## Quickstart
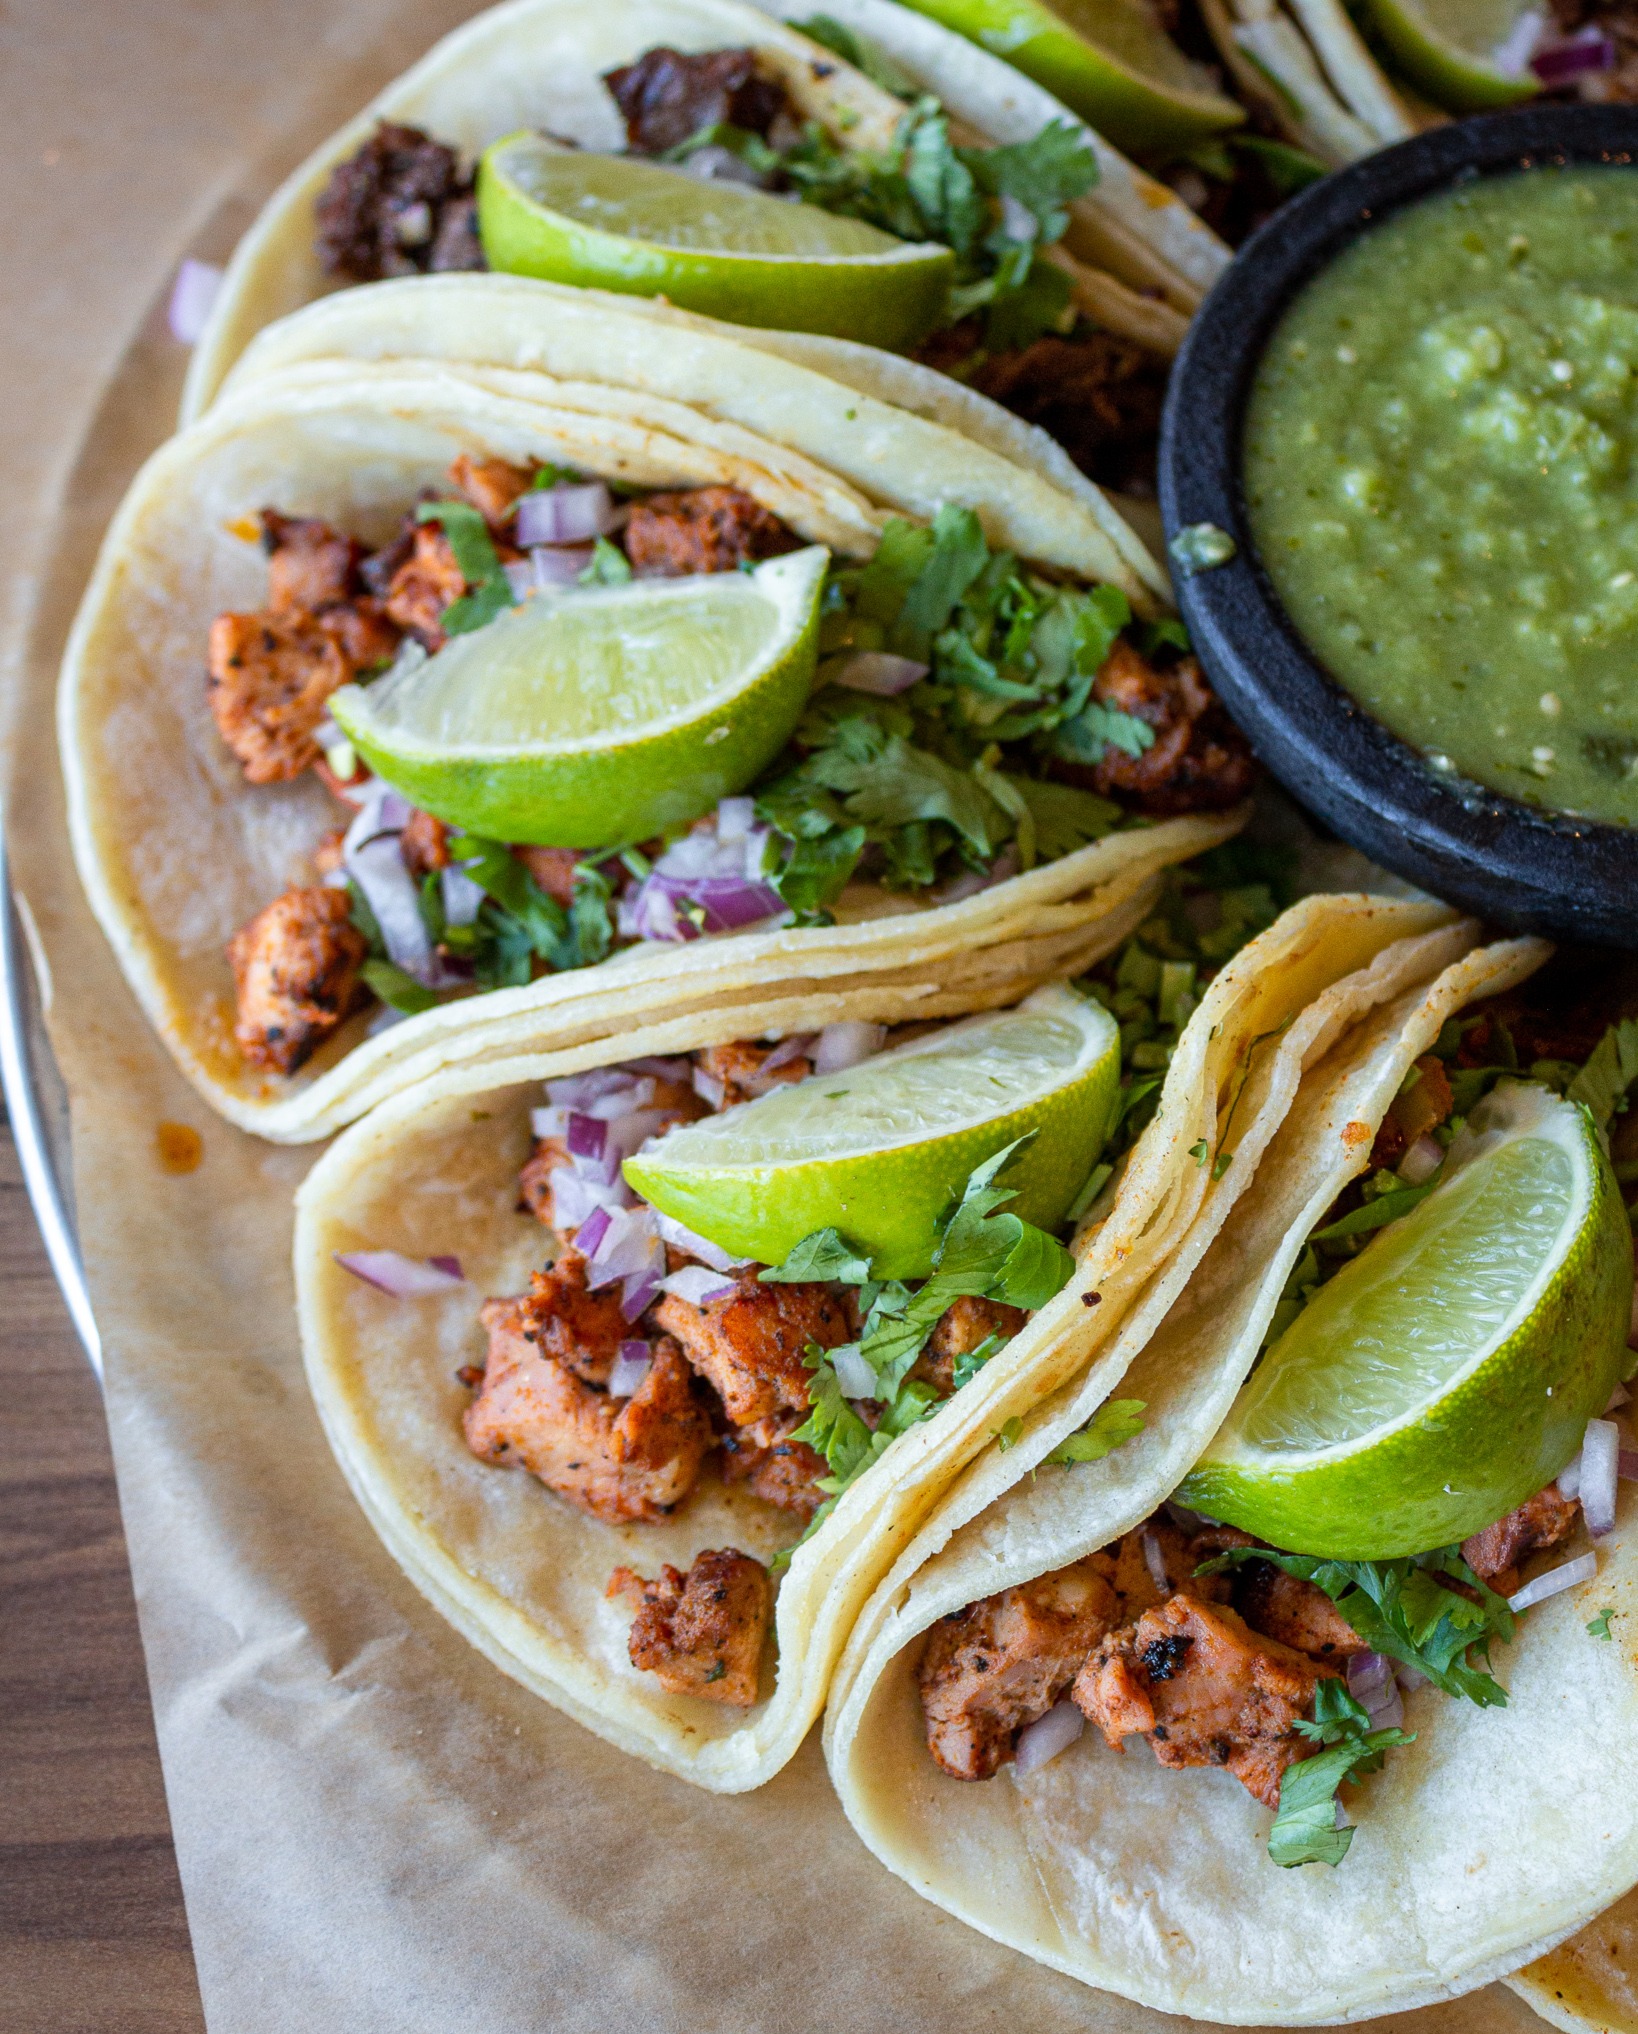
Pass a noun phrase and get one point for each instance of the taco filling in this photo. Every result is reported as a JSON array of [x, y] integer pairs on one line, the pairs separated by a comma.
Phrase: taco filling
[[1221, 1647], [1022, 322], [971, 719]]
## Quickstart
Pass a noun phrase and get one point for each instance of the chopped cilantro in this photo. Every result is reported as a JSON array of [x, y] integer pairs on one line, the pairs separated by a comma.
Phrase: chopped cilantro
[[1306, 1828], [1602, 1084], [396, 987], [1109, 1428], [1599, 1627], [608, 566], [1008, 1434], [519, 924], [1200, 1151], [488, 589]]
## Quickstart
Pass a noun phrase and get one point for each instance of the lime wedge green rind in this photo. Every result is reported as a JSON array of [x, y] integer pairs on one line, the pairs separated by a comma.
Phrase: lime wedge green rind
[[610, 222], [1107, 60], [1445, 49], [594, 716], [1448, 1372], [881, 1151]]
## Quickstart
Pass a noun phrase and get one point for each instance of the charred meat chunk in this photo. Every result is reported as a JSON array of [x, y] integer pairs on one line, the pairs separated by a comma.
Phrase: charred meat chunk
[[400, 206], [552, 868], [428, 582], [492, 486], [749, 1344], [1414, 1111], [1284, 1607], [623, 1461], [1541, 1521], [1205, 1690], [1158, 1560], [424, 844], [743, 1072], [668, 96], [779, 1470], [309, 565], [295, 969], [705, 529], [999, 1664], [269, 681], [960, 1330], [1198, 762], [703, 1633], [567, 1321]]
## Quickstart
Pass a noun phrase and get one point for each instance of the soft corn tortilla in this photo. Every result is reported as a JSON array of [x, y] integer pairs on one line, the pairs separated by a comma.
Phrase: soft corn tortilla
[[539, 63], [520, 1571], [1589, 1985], [176, 852], [1493, 1836]]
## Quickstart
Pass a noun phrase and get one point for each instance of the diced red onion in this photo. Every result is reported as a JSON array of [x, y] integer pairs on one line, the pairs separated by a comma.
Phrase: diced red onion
[[572, 512], [1040, 1742], [193, 294], [390, 1271], [1371, 1682], [638, 1293], [853, 1373], [628, 1134], [593, 1228], [1185, 1520], [585, 1135], [1588, 49], [1422, 1161], [684, 1239], [579, 1091], [551, 566], [875, 671], [520, 577], [843, 1045], [1155, 1561], [969, 883], [462, 897], [380, 810], [548, 1122], [575, 1199], [628, 1247], [1408, 1678], [675, 1071], [1582, 1569], [383, 1018], [631, 1366], [735, 818], [697, 1284], [620, 1102], [389, 889], [709, 1088], [1600, 1464], [1511, 56], [786, 1050], [680, 908]]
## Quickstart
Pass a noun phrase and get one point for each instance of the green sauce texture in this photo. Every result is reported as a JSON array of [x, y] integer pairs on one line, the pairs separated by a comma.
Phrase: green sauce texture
[[1439, 464]]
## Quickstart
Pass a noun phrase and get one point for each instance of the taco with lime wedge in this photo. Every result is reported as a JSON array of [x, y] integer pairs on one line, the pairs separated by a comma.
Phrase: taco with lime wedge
[[418, 708], [864, 173], [1298, 1686], [800, 1271]]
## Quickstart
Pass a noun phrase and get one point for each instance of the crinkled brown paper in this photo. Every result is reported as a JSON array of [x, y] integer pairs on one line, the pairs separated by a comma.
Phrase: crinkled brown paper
[[376, 1831]]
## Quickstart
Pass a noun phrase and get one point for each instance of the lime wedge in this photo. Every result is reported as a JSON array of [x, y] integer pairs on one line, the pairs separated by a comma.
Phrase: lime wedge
[[1446, 1373], [719, 248], [593, 716], [1108, 60], [880, 1151], [1464, 54]]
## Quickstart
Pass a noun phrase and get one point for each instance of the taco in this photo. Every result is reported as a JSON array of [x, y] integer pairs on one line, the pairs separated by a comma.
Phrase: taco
[[1070, 275], [769, 1336], [1450, 1638], [944, 816]]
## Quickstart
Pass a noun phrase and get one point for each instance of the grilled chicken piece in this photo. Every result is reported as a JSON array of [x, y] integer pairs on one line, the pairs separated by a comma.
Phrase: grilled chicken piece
[[623, 1461], [1284, 1607], [777, 1469], [1414, 1110], [743, 1070], [535, 1181], [1205, 1690], [749, 1344], [552, 868], [428, 582], [309, 565], [492, 486], [961, 1328], [706, 529], [424, 844], [269, 680], [701, 1634], [295, 969], [576, 1327], [1541, 1521], [1002, 1662]]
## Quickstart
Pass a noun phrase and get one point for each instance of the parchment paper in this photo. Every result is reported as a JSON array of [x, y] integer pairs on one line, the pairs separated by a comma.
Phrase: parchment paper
[[375, 1830]]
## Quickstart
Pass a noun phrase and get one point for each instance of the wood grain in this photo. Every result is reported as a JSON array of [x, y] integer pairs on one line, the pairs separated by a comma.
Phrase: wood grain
[[93, 1938]]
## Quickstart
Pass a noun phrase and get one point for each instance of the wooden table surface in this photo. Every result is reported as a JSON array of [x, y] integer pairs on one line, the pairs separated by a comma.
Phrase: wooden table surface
[[93, 1938]]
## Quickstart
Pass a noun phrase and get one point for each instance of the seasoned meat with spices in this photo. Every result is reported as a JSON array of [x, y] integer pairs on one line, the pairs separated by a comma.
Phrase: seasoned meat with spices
[[1286, 1608], [667, 96], [424, 844], [309, 565], [1205, 1690], [706, 529], [961, 1328], [999, 1664], [624, 1461], [701, 1634], [399, 206], [575, 1326], [743, 1070], [1198, 762], [1129, 1565], [553, 869], [1541, 1521], [295, 969], [781, 1471], [749, 1345], [1416, 1109], [492, 486], [425, 584], [269, 681], [535, 1181]]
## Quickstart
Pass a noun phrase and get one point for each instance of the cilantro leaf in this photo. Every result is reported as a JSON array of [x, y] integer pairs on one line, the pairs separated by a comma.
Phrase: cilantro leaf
[[518, 923], [488, 589], [394, 986], [1305, 1829], [878, 68], [953, 559], [816, 872], [608, 566], [823, 1255], [1110, 1427], [1602, 1084], [1599, 1627], [1065, 816], [1044, 174]]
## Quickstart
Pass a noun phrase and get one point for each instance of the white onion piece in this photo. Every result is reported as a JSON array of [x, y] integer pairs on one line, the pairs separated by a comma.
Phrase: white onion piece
[[785, 1051], [707, 1252], [1512, 54], [390, 1271], [631, 1366], [462, 897], [697, 1284], [735, 818], [389, 889], [628, 1246], [1040, 1742], [1582, 1569], [1422, 1161], [572, 512], [853, 1373], [875, 671], [579, 1091], [675, 1071], [708, 1087], [846, 1044], [193, 294], [1600, 1466], [1155, 1562], [384, 1018], [575, 1198], [520, 576], [553, 566], [1569, 1479], [548, 1122], [380, 810]]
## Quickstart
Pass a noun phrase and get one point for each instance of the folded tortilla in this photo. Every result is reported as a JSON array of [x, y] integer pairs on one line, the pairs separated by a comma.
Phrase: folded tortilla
[[523, 1573], [1493, 1836], [1589, 1985], [539, 63]]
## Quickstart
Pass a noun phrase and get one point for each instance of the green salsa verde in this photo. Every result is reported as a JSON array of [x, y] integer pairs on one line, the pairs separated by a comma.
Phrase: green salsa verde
[[1441, 466]]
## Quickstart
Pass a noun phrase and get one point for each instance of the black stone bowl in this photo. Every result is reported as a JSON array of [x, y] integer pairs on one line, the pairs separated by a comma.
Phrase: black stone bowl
[[1521, 867]]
